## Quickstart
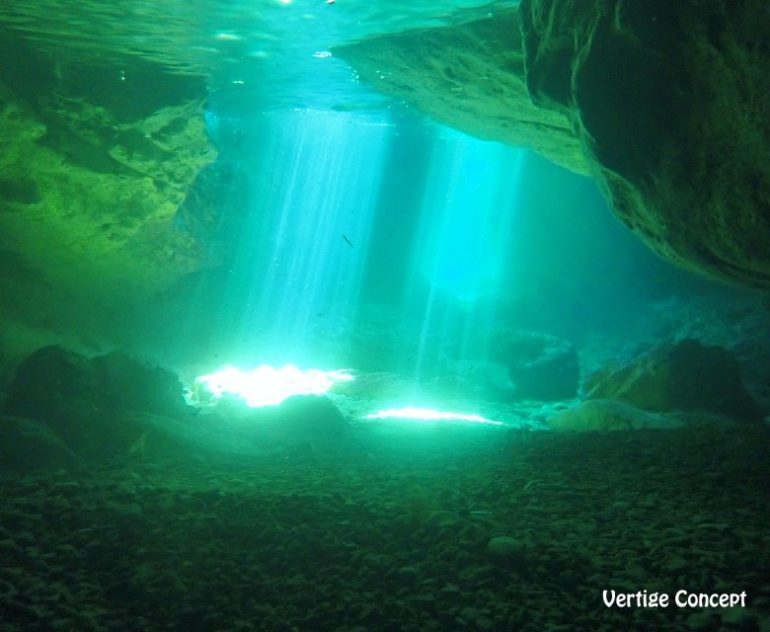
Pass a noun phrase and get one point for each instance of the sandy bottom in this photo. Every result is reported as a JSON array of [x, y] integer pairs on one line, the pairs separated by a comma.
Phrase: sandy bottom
[[392, 533]]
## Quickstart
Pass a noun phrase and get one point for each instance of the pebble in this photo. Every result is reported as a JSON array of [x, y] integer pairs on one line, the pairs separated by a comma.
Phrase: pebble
[[703, 621], [675, 565], [320, 560], [506, 548]]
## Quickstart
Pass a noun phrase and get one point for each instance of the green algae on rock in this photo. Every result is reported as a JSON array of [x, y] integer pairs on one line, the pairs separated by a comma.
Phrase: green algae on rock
[[606, 415], [96, 160], [686, 375]]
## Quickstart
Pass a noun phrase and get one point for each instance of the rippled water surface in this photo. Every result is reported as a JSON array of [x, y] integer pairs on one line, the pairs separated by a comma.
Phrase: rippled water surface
[[274, 52]]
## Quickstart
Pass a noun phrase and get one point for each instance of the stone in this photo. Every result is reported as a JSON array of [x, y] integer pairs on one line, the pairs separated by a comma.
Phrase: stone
[[670, 102], [408, 574], [27, 445], [299, 418], [541, 366], [48, 378], [685, 375], [87, 401], [127, 384], [739, 619], [604, 415], [704, 621], [506, 549], [118, 382]]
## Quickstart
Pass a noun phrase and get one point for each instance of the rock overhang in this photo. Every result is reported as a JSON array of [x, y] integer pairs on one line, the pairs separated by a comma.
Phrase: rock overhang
[[666, 105]]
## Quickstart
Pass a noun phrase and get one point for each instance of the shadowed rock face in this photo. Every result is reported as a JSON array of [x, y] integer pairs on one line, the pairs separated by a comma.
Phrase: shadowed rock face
[[669, 103]]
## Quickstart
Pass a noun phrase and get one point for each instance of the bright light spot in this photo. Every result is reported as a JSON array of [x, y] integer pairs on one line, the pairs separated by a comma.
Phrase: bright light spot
[[322, 54], [265, 385], [429, 414], [227, 37], [284, 1]]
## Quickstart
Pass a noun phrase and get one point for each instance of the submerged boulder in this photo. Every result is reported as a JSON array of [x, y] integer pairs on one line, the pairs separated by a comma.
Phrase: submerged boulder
[[686, 375], [47, 380], [128, 384], [26, 445], [604, 415], [541, 366], [83, 399], [299, 418]]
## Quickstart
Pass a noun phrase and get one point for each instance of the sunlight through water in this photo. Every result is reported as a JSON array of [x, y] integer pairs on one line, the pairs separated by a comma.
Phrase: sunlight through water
[[264, 385], [468, 209], [430, 414]]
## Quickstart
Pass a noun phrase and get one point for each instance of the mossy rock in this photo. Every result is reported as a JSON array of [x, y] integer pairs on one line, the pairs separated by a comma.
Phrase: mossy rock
[[686, 375]]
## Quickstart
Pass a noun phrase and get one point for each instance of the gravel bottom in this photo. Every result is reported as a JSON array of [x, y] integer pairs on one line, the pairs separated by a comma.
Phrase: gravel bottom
[[392, 534]]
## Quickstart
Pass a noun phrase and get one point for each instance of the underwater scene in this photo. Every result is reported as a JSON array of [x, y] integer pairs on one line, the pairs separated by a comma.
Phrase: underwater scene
[[405, 316]]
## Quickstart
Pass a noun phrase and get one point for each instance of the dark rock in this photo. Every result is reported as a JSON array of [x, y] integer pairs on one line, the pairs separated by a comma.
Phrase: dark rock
[[47, 379], [52, 376], [81, 399], [27, 445], [541, 366], [127, 384], [299, 418], [670, 102], [683, 376]]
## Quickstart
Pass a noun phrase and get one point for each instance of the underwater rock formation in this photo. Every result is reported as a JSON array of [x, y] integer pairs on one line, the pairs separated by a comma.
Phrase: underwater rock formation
[[541, 366], [669, 101], [605, 415], [299, 418], [82, 400], [96, 159], [683, 376], [27, 445]]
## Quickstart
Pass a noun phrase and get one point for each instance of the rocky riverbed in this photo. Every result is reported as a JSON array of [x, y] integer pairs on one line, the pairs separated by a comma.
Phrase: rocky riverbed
[[420, 532]]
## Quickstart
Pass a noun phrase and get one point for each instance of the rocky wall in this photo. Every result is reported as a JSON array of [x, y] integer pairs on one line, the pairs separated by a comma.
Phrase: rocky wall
[[95, 161]]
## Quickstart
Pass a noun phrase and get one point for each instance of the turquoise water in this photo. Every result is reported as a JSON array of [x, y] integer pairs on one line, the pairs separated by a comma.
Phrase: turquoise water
[[387, 242]]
